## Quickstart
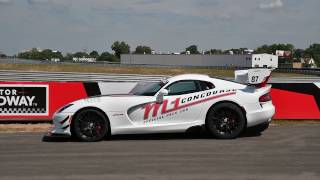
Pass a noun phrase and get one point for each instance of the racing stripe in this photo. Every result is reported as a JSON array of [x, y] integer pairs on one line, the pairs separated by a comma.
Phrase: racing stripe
[[200, 101], [92, 88]]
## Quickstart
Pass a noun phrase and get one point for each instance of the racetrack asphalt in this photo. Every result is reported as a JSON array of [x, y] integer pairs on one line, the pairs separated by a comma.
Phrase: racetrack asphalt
[[281, 152]]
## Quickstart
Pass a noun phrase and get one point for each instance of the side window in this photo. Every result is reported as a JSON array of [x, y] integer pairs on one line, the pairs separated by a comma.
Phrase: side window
[[206, 85], [182, 87]]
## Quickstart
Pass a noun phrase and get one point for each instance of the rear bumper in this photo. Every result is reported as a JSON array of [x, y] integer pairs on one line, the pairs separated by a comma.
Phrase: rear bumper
[[261, 116]]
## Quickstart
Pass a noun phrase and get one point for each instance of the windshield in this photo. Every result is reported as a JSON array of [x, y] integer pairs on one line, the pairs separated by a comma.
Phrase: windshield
[[147, 88]]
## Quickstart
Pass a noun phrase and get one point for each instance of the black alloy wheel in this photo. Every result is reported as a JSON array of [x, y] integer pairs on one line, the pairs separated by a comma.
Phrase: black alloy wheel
[[90, 125], [225, 121]]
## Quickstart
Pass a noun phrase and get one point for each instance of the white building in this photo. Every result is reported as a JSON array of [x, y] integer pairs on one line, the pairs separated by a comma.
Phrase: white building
[[308, 62], [55, 59], [248, 51], [84, 59], [264, 60]]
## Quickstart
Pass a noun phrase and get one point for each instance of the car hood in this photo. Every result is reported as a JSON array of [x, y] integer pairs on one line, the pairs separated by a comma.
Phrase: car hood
[[114, 95], [112, 102]]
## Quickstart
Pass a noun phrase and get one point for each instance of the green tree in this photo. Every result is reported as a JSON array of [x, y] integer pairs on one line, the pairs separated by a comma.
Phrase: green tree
[[235, 51], [193, 49], [68, 57], [214, 51], [94, 54], [106, 56], [46, 54], [35, 54], [120, 48], [24, 55], [298, 53], [57, 54], [271, 49], [80, 54], [143, 50]]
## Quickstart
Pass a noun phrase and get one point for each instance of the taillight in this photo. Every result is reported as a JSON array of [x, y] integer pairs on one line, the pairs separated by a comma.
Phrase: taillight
[[265, 98]]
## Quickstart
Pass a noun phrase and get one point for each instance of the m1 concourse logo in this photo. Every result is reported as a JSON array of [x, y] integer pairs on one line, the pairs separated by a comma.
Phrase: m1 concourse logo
[[23, 99], [180, 103]]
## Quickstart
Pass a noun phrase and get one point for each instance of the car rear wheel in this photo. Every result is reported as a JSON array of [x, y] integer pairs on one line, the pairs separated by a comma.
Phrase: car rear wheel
[[225, 121], [90, 125]]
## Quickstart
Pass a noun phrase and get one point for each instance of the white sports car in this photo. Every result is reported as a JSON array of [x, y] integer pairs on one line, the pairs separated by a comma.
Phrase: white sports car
[[225, 108]]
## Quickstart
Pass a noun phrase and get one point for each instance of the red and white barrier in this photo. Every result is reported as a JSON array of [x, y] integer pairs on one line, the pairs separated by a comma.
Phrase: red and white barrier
[[296, 100], [55, 95], [39, 100]]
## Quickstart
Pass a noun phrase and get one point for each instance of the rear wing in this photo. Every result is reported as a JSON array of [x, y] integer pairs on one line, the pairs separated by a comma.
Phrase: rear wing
[[257, 77]]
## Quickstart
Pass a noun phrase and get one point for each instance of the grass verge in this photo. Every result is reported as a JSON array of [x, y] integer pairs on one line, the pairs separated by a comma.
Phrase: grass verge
[[17, 127], [294, 122], [127, 69]]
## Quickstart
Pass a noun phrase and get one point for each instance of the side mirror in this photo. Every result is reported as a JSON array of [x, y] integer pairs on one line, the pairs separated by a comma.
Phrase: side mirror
[[162, 93]]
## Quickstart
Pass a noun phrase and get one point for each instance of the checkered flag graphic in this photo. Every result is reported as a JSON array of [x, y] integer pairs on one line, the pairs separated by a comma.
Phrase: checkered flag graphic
[[22, 110]]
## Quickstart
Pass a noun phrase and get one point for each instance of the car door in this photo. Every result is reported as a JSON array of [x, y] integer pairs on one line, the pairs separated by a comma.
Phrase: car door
[[178, 106], [181, 105]]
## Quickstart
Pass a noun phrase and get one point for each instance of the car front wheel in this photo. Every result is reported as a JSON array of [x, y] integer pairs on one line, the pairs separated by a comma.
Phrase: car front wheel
[[90, 125]]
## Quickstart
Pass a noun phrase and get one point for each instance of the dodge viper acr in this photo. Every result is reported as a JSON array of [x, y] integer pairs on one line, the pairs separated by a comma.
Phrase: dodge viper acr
[[226, 108]]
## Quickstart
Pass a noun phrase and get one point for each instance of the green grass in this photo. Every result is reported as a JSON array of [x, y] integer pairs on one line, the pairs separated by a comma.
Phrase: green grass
[[294, 122], [127, 69]]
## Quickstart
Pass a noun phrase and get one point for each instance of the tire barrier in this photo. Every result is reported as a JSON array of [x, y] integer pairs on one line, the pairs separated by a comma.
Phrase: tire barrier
[[32, 101]]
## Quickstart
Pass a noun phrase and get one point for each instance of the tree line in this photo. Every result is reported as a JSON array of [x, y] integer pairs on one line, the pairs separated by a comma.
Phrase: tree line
[[122, 47]]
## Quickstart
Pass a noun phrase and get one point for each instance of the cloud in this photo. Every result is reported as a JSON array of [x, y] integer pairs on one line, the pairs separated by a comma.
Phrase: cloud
[[274, 4], [165, 25], [31, 2], [5, 2]]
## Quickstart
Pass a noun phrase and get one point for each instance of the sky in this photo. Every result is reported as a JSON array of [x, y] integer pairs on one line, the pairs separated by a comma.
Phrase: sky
[[164, 25]]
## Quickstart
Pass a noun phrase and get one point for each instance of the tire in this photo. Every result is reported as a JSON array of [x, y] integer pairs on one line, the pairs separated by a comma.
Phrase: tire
[[225, 121], [90, 125]]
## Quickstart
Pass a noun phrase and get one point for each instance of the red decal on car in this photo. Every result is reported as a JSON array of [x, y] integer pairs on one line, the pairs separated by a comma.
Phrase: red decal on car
[[154, 107]]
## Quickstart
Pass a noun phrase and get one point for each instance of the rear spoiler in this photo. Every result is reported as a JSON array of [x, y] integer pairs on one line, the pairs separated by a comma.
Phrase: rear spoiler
[[257, 77]]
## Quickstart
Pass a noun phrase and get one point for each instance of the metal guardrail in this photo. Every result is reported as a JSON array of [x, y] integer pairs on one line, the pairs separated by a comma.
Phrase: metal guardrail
[[294, 79], [10, 75]]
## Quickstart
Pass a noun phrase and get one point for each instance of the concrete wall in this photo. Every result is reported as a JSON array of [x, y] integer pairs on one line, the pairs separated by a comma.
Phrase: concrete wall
[[188, 60]]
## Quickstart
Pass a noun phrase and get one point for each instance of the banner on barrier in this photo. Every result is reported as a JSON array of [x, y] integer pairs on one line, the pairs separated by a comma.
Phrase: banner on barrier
[[37, 100], [24, 99]]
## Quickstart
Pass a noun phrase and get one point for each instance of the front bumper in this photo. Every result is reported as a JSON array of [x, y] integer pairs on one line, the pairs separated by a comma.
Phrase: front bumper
[[62, 124]]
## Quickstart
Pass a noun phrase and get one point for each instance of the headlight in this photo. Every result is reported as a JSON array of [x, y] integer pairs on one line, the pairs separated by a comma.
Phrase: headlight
[[64, 107]]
